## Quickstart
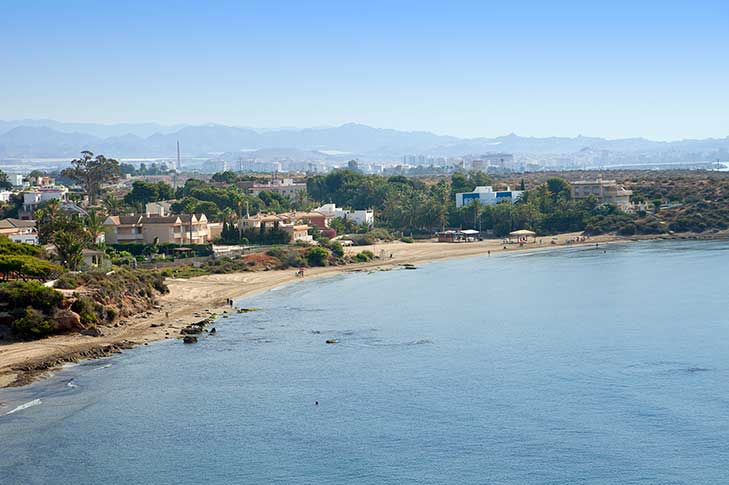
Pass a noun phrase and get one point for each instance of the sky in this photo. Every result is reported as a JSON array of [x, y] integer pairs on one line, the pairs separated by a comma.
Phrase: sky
[[656, 69]]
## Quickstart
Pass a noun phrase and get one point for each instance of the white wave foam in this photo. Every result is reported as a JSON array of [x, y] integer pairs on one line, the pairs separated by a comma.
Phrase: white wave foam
[[27, 405]]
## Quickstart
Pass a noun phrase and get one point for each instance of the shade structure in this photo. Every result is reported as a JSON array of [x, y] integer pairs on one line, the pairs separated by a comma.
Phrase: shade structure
[[522, 232]]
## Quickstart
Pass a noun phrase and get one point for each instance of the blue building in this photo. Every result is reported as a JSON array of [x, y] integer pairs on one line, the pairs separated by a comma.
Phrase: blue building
[[487, 196]]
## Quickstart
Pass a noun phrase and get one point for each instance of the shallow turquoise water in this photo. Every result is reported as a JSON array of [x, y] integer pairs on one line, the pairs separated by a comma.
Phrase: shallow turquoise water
[[573, 366]]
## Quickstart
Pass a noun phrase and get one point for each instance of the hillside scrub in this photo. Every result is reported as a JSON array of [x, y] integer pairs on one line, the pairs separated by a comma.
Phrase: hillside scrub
[[27, 307]]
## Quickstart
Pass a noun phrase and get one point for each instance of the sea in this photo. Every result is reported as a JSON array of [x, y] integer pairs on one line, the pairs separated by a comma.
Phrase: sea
[[605, 364]]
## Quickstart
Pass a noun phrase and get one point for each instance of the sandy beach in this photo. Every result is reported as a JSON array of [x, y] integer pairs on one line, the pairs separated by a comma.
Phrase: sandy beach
[[191, 300]]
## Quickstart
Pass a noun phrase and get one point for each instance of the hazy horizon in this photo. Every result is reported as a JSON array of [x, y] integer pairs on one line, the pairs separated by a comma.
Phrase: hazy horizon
[[180, 125], [466, 69]]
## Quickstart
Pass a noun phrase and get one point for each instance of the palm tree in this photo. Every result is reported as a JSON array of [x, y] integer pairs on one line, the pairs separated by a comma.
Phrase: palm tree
[[113, 205], [69, 246], [94, 225]]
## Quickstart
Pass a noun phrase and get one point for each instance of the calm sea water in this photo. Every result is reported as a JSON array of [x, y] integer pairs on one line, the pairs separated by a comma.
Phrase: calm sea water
[[573, 366]]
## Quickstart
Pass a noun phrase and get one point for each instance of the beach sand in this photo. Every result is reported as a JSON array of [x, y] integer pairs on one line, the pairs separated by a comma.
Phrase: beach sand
[[191, 300]]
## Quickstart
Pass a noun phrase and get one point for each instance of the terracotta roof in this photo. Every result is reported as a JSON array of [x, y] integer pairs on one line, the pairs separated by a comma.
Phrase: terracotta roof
[[127, 220], [161, 219], [15, 223]]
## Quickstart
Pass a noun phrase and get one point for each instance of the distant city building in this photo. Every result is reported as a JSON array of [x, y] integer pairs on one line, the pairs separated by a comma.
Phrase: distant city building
[[499, 160], [5, 196], [479, 165], [487, 196], [606, 191]]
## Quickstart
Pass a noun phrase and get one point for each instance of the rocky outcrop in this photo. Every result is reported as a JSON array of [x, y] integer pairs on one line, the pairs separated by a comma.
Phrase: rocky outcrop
[[65, 320], [92, 331], [29, 371], [195, 328], [190, 339], [7, 318]]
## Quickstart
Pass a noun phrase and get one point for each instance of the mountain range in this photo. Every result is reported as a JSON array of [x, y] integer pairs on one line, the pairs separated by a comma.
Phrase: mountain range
[[53, 139]]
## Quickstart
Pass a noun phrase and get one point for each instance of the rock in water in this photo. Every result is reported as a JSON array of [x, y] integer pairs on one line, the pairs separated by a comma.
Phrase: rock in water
[[190, 339]]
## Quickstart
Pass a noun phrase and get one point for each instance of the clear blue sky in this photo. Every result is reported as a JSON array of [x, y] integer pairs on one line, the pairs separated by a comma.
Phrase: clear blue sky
[[658, 69]]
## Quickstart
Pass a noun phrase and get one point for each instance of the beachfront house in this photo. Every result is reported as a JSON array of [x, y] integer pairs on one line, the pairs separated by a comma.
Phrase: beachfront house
[[605, 191], [146, 229], [364, 217], [486, 195], [291, 222]]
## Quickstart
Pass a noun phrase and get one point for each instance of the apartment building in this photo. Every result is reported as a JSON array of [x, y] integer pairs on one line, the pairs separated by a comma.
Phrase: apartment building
[[606, 191], [176, 229]]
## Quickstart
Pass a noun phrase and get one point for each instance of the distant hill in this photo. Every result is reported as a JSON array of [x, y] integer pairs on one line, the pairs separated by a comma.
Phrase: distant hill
[[47, 138]]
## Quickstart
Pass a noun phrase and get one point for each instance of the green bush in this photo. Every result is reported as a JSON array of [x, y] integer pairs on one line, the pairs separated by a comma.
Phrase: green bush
[[9, 247], [317, 256], [364, 256], [69, 281], [86, 309], [111, 314], [336, 248], [33, 324], [23, 266], [21, 294], [164, 248], [407, 239]]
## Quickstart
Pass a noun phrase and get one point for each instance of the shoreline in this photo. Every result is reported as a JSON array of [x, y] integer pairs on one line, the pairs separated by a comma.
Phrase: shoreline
[[191, 300]]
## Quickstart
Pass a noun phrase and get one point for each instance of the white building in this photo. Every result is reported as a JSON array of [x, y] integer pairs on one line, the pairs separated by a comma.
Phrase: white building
[[18, 230], [286, 187], [5, 196], [487, 196], [32, 198], [361, 216], [17, 180], [161, 208]]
